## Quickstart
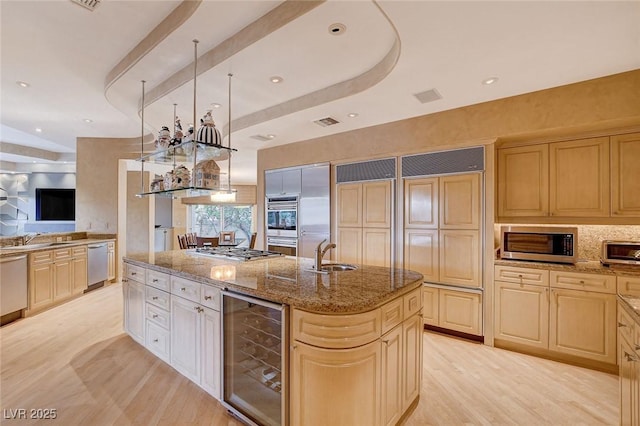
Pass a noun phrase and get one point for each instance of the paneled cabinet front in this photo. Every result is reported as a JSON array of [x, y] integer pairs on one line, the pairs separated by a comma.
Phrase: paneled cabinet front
[[625, 175]]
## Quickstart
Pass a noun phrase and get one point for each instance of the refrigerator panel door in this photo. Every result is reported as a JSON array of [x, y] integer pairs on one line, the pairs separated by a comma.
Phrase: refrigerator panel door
[[314, 203]]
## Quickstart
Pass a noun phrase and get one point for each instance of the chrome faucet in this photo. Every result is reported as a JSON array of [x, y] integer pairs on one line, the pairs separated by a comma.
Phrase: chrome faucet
[[320, 252], [26, 239]]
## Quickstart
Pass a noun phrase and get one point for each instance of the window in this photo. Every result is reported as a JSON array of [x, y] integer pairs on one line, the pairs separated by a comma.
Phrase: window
[[208, 220]]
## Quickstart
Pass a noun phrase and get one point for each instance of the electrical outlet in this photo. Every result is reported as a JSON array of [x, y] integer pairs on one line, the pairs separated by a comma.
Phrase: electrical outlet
[[58, 239]]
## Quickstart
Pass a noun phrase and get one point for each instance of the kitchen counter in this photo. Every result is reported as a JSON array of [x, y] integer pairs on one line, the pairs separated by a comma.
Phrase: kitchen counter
[[588, 267], [287, 280], [36, 247]]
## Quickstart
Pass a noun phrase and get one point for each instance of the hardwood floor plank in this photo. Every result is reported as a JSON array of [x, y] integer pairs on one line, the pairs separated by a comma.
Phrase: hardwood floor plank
[[76, 358]]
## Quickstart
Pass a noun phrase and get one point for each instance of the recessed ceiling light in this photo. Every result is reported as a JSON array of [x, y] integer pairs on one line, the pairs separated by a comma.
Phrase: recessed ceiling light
[[34, 161], [39, 130], [22, 83], [352, 115], [88, 120], [489, 80], [337, 29], [276, 79], [271, 136], [215, 105]]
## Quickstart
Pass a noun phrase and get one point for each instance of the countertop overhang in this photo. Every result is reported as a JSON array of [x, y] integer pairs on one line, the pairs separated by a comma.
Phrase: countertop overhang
[[287, 280]]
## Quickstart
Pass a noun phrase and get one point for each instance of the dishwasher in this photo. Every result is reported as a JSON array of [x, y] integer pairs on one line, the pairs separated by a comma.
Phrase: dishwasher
[[13, 287], [98, 268]]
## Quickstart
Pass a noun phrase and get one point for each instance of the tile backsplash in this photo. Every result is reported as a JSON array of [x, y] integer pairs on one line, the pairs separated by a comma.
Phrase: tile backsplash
[[590, 237]]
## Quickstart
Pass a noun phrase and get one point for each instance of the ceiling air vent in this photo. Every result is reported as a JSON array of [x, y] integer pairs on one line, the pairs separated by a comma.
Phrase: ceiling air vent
[[261, 138], [327, 121], [89, 4], [428, 96]]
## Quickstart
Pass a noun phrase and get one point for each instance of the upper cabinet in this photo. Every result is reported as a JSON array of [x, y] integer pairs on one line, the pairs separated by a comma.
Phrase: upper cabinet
[[283, 182], [625, 175], [460, 201], [591, 180]]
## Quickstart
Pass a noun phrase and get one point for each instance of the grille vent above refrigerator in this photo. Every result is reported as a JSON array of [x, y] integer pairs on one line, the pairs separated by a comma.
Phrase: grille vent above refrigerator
[[443, 162], [366, 170]]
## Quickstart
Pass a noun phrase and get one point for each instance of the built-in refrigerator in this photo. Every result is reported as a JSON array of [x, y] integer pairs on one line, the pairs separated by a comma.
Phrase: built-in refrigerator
[[314, 210]]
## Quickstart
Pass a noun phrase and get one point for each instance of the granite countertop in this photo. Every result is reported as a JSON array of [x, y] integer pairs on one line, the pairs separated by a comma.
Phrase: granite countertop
[[42, 246], [589, 267], [631, 304], [286, 280]]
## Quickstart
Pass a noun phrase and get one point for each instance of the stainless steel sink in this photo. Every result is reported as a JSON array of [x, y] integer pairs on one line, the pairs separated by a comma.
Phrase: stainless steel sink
[[337, 267]]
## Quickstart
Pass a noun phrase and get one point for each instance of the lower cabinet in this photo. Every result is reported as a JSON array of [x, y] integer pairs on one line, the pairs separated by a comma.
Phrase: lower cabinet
[[133, 295], [111, 260], [629, 362], [185, 338], [79, 266], [362, 383], [456, 310]]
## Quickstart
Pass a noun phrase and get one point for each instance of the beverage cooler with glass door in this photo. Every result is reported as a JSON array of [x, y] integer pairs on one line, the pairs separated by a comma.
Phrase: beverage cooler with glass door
[[255, 359]]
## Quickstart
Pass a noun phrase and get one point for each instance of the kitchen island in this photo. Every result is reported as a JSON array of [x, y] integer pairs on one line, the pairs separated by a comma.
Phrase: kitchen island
[[353, 338]]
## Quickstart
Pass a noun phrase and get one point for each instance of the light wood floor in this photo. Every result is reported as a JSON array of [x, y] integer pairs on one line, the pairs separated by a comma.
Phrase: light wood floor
[[75, 358]]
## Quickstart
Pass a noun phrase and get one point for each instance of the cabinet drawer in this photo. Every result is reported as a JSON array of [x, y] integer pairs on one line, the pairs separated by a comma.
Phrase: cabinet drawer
[[518, 275], [61, 254], [135, 273], [577, 281], [210, 297], [79, 251], [391, 314], [41, 257], [336, 331], [186, 289], [629, 285], [157, 297], [158, 315], [412, 302], [158, 341], [626, 325], [159, 280]]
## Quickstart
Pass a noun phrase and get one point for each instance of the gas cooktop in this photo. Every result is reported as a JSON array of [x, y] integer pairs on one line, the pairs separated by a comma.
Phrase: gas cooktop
[[236, 253]]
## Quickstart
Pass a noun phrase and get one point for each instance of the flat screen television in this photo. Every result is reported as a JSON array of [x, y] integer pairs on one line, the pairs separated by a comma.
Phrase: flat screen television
[[55, 204]]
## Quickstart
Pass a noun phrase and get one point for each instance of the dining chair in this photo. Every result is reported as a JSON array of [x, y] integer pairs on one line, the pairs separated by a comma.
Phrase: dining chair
[[252, 241], [201, 240], [182, 241], [191, 239]]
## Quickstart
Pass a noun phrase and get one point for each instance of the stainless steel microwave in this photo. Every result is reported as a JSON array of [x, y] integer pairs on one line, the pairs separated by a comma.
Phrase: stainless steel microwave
[[539, 243], [622, 252]]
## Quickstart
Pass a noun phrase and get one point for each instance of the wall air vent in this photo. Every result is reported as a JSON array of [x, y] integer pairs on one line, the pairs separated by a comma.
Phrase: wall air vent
[[327, 121], [89, 4], [261, 138], [366, 170], [428, 96], [444, 162]]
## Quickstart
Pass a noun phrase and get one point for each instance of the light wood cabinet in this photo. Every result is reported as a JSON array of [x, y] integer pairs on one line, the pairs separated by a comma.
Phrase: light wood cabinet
[[522, 313], [628, 285], [460, 201], [430, 305], [460, 311], [79, 270], [629, 363], [364, 223], [625, 175], [111, 260], [185, 337], [412, 360], [392, 371], [62, 275], [40, 280], [459, 257], [421, 201], [421, 253], [583, 324], [579, 178], [523, 181]]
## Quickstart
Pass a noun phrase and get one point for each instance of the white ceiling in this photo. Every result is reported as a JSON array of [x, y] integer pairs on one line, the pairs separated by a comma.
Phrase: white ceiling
[[65, 53]]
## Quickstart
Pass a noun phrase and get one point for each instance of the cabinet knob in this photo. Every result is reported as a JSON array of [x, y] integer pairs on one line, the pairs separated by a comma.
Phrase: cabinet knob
[[124, 280], [386, 342], [155, 340], [183, 289], [155, 280], [134, 273], [198, 309], [620, 324], [207, 298], [155, 315], [582, 282], [154, 298], [630, 357], [294, 347]]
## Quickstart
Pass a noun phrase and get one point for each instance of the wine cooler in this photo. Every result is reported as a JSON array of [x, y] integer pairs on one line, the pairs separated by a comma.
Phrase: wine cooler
[[255, 359]]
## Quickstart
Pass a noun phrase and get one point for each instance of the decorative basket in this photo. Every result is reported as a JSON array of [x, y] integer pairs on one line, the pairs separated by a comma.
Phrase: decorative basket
[[157, 184], [177, 178], [206, 174]]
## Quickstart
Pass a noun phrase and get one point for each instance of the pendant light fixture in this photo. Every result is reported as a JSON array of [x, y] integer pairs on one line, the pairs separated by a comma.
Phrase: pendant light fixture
[[227, 195]]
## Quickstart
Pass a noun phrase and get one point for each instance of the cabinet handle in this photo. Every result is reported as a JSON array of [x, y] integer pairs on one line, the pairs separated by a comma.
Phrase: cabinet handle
[[621, 324], [198, 308], [134, 273], [207, 298], [155, 280], [154, 298], [154, 316], [546, 290], [629, 357], [124, 280], [155, 340], [183, 289], [582, 282], [386, 342], [294, 347]]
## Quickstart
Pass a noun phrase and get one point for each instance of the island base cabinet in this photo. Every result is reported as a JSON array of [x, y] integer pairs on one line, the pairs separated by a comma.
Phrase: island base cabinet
[[392, 369], [629, 368], [185, 337], [335, 386], [134, 315], [583, 324], [210, 362]]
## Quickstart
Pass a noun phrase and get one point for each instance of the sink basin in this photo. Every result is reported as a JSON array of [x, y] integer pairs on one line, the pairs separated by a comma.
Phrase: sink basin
[[337, 267]]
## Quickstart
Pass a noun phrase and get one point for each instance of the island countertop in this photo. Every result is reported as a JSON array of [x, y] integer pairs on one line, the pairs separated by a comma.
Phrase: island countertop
[[287, 280]]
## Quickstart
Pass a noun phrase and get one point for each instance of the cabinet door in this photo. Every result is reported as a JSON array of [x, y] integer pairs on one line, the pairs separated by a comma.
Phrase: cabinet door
[[336, 386], [350, 205], [629, 285], [412, 363], [460, 258], [62, 279], [211, 341], [185, 337], [523, 181], [273, 183], [350, 245], [291, 181], [392, 372], [421, 203], [461, 311], [430, 305], [79, 267], [626, 362], [579, 178], [111, 260], [376, 204], [583, 323], [460, 201], [522, 313], [376, 247], [421, 252], [40, 285], [134, 323], [625, 175]]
